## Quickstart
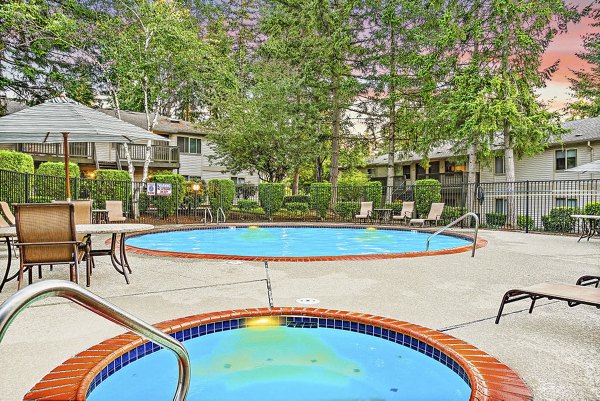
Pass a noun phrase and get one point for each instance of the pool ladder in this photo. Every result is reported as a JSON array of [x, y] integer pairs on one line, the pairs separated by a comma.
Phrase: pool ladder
[[19, 301], [461, 218]]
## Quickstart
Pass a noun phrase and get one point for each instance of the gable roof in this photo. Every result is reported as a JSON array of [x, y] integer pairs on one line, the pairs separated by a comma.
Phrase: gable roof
[[164, 125]]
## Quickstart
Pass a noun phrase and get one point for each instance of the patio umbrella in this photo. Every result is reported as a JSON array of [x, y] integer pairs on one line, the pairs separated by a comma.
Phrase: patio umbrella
[[64, 120], [592, 167]]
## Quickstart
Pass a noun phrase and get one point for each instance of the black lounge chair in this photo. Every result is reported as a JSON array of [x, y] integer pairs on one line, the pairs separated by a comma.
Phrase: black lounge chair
[[573, 294]]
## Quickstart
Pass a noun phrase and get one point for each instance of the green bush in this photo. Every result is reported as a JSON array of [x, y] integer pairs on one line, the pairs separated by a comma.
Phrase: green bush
[[245, 191], [351, 186], [452, 213], [426, 192], [592, 208], [194, 198], [374, 193], [220, 194], [270, 196], [16, 161], [296, 199], [559, 219], [525, 222], [347, 210], [495, 220], [109, 185], [167, 205], [247, 205], [396, 207], [50, 180], [320, 197], [297, 207]]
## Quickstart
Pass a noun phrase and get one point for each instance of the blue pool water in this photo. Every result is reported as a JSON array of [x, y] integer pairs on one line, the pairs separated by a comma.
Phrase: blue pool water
[[294, 241], [279, 363]]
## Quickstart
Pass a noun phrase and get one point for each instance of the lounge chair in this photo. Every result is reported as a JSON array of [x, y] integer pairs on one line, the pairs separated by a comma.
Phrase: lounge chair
[[47, 235], [7, 213], [573, 294], [435, 214], [589, 280], [115, 211], [366, 210], [408, 208]]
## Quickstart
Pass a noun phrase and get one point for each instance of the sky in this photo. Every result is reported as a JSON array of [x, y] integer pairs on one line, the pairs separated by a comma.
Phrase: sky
[[564, 48]]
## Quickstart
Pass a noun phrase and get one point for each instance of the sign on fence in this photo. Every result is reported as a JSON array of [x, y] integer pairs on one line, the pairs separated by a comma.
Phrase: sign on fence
[[163, 189], [151, 189]]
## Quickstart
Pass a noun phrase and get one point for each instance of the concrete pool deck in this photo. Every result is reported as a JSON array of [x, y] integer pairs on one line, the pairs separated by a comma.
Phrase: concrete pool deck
[[556, 349]]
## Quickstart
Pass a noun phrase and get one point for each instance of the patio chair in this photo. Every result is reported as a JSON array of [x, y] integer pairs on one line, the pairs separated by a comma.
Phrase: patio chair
[[589, 280], [46, 235], [115, 211], [408, 208], [435, 214], [7, 213], [573, 294], [366, 210]]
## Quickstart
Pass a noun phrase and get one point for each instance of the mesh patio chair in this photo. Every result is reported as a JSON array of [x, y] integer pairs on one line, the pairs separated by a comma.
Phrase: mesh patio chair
[[46, 235], [366, 210], [435, 214], [10, 217], [115, 211], [83, 215], [408, 208]]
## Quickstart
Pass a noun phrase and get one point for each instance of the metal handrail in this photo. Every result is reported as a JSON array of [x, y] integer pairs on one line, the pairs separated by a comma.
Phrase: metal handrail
[[19, 301], [220, 211], [461, 218]]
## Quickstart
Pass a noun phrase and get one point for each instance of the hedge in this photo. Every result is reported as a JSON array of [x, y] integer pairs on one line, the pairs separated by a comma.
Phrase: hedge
[[247, 205], [270, 196], [296, 199], [297, 207], [426, 192], [16, 161], [452, 213], [495, 220], [167, 205], [396, 207], [50, 182], [347, 210], [191, 198], [559, 219], [374, 193], [320, 197], [525, 222], [245, 191], [220, 194], [110, 185], [592, 208]]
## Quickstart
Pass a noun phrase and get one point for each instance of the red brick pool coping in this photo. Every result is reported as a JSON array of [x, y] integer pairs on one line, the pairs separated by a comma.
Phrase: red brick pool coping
[[490, 379], [144, 251]]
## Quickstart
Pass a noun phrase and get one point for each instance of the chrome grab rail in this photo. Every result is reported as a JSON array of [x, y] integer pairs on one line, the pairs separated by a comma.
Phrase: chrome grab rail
[[461, 218], [19, 301], [222, 213]]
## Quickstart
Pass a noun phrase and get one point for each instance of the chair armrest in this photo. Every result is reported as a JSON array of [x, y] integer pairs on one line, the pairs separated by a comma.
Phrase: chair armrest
[[48, 243]]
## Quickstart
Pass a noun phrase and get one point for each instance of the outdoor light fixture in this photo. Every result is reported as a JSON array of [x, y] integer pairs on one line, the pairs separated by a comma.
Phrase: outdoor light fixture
[[196, 187]]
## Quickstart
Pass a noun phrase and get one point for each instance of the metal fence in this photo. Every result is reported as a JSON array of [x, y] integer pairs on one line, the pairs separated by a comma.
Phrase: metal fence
[[524, 205]]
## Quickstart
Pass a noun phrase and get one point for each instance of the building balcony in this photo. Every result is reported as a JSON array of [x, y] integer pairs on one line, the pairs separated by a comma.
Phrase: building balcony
[[160, 155], [448, 179]]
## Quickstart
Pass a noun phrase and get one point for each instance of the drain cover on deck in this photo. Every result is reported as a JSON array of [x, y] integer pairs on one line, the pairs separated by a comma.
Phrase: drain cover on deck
[[307, 301]]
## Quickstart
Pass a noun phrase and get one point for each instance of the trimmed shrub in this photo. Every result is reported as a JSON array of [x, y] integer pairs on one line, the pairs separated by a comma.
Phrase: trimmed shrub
[[296, 199], [245, 191], [191, 198], [347, 210], [495, 220], [110, 185], [270, 196], [396, 207], [16, 161], [426, 192], [220, 194], [297, 207], [452, 213], [320, 197], [167, 205], [374, 193], [49, 180], [525, 223], [247, 205], [559, 219], [592, 208]]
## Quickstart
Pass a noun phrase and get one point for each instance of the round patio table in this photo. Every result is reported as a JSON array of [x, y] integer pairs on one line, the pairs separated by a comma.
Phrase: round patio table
[[119, 262]]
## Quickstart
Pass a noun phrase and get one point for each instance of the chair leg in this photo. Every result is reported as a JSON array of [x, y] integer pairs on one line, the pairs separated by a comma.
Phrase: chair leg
[[505, 298], [30, 274], [39, 271], [21, 278]]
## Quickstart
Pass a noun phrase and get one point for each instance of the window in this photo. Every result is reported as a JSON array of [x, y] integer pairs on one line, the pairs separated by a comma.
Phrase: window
[[371, 171], [566, 159], [238, 180], [406, 172], [189, 145], [501, 205], [434, 168], [568, 202], [499, 165]]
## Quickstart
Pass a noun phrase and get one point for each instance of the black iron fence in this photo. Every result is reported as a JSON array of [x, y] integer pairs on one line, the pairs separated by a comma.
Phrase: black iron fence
[[524, 205]]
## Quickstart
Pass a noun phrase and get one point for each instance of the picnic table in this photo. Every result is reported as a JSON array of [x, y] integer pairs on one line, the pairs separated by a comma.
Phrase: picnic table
[[589, 225]]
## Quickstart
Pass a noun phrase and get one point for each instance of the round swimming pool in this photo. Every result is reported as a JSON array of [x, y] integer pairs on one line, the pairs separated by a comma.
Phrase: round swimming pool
[[275, 242], [296, 354]]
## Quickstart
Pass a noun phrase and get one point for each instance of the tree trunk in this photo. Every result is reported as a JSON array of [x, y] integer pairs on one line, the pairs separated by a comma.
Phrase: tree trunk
[[318, 169], [392, 118], [509, 168], [471, 178], [335, 143], [296, 181]]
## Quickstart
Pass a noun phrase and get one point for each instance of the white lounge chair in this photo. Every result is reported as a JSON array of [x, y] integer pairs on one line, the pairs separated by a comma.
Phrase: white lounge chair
[[408, 208], [366, 210], [435, 214]]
